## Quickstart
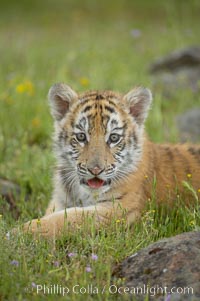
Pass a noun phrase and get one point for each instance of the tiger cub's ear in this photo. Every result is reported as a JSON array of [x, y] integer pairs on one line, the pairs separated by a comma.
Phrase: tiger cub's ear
[[139, 101], [60, 96]]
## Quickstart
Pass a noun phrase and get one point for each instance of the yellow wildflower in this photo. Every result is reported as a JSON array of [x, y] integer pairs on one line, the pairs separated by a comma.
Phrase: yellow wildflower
[[20, 89], [120, 220], [198, 190], [38, 221], [84, 81], [146, 177], [189, 175], [25, 87]]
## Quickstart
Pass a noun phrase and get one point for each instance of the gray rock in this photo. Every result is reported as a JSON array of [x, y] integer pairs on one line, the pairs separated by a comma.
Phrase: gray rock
[[188, 57], [178, 70], [188, 125], [171, 263]]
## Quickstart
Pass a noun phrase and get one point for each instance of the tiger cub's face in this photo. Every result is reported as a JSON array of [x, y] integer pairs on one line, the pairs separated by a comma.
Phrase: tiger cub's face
[[98, 135]]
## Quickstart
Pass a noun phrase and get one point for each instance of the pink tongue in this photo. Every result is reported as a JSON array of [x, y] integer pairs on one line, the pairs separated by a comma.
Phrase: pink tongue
[[95, 183]]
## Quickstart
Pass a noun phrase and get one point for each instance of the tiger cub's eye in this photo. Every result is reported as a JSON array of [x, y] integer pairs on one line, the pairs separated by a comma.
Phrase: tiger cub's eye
[[81, 137], [114, 138]]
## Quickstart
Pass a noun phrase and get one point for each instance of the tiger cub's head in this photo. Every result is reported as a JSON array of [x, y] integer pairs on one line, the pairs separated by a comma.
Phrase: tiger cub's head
[[98, 135]]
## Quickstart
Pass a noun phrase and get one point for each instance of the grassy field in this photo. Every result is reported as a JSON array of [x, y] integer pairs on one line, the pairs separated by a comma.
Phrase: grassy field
[[88, 45]]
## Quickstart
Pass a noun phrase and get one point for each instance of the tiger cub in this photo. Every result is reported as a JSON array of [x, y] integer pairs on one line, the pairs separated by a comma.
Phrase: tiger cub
[[105, 163]]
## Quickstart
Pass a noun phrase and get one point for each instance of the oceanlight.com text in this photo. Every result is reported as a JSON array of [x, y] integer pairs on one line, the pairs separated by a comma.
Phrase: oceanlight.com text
[[57, 289]]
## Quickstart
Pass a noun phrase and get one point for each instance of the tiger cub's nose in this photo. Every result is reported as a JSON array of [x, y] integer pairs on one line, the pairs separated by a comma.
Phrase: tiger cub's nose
[[95, 170]]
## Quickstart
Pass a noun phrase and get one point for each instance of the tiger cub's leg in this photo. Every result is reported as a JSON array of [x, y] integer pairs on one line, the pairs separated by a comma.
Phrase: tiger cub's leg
[[58, 222]]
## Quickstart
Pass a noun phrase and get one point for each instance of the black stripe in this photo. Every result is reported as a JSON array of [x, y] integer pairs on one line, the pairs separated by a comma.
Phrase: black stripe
[[73, 142], [79, 127], [87, 108], [111, 200], [120, 128], [119, 154], [99, 97], [122, 146], [114, 121], [112, 103], [111, 110]]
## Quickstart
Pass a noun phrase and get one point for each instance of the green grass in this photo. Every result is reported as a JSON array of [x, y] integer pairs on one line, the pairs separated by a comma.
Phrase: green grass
[[88, 46]]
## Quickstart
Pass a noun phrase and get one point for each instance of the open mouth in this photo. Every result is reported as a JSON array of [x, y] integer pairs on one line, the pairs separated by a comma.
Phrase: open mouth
[[96, 182]]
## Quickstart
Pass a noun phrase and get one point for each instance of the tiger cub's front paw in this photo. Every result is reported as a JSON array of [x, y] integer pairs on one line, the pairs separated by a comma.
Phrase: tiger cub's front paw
[[36, 227]]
